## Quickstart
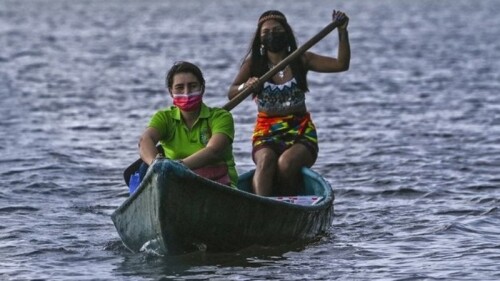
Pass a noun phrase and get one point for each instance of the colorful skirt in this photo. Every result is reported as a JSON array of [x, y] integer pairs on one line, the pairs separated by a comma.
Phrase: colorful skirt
[[281, 132]]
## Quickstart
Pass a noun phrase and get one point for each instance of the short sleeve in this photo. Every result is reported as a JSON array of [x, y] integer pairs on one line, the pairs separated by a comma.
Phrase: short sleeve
[[222, 122], [161, 121]]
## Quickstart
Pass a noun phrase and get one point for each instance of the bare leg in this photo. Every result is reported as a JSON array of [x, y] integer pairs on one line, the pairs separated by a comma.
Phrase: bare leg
[[265, 171], [289, 165]]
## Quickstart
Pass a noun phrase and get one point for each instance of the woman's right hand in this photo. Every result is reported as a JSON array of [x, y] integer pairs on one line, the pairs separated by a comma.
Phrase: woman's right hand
[[250, 82]]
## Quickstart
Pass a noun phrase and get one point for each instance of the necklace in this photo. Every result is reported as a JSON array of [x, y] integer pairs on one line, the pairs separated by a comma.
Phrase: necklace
[[281, 73]]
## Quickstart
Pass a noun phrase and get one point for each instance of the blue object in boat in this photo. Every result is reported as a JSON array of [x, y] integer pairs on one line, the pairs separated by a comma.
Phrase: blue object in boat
[[135, 180]]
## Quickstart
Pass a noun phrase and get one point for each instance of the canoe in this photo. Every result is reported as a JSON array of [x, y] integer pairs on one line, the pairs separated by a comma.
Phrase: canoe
[[179, 212]]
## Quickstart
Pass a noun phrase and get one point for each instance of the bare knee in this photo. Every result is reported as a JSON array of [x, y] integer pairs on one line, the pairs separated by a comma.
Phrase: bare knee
[[287, 166], [292, 160], [265, 158]]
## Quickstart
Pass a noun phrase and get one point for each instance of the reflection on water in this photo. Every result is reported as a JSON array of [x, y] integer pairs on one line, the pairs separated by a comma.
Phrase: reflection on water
[[207, 265]]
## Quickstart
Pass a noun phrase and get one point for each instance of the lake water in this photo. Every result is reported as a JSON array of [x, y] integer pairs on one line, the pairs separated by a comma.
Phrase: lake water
[[409, 136]]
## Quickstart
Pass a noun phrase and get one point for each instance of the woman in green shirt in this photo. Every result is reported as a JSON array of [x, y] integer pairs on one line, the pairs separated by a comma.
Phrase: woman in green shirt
[[198, 136]]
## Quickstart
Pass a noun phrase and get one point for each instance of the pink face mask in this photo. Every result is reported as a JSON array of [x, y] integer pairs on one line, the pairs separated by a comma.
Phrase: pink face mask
[[188, 102]]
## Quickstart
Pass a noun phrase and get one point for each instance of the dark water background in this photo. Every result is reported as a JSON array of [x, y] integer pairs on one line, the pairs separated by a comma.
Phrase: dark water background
[[409, 136]]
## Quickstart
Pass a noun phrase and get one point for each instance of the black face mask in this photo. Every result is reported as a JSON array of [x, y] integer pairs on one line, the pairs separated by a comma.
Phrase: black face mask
[[274, 41]]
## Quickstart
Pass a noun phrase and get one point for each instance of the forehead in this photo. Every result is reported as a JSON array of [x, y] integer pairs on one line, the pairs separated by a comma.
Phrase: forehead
[[270, 24], [184, 77]]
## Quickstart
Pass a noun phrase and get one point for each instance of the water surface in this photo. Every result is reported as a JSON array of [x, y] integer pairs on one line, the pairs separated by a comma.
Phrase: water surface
[[409, 136]]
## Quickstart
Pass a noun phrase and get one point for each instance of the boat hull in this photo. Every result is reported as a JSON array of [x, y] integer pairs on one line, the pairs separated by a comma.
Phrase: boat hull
[[181, 212]]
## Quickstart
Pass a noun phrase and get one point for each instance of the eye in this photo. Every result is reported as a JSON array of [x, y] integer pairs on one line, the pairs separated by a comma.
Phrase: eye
[[179, 88], [194, 86]]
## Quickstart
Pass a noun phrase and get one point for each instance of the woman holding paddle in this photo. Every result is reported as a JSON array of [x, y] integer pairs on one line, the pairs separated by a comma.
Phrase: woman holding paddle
[[198, 136], [284, 138]]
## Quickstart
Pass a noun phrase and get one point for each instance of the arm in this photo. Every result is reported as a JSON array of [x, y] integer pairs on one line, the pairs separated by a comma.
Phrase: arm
[[219, 144], [147, 145], [211, 154], [344, 52], [320, 63]]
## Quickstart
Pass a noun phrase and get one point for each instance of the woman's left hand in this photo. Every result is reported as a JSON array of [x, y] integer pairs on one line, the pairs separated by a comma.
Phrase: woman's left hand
[[340, 18]]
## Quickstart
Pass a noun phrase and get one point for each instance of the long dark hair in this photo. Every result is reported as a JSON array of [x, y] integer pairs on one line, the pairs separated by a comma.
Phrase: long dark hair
[[260, 63]]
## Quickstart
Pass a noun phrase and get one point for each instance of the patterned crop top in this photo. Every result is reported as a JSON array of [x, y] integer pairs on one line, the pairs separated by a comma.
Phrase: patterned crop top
[[281, 99]]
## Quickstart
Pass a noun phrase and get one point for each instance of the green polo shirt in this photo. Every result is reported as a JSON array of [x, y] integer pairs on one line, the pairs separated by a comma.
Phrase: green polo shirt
[[178, 141]]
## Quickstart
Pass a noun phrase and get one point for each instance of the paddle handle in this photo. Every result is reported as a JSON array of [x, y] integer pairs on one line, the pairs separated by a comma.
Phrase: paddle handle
[[246, 92]]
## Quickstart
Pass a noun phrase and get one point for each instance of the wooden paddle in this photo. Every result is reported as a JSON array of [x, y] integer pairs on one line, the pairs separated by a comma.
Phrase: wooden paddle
[[246, 92]]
